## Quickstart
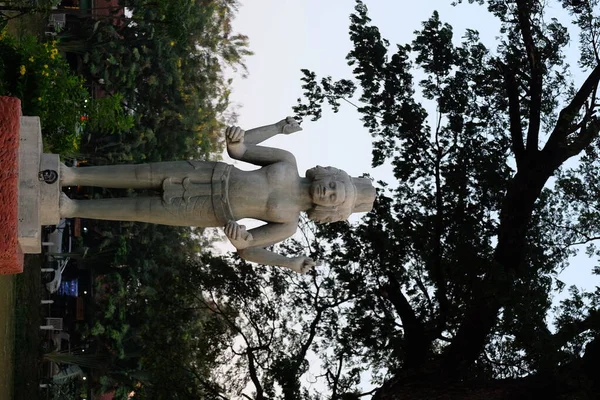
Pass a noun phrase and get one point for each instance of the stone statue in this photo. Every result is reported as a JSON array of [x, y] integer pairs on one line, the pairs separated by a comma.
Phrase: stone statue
[[215, 194]]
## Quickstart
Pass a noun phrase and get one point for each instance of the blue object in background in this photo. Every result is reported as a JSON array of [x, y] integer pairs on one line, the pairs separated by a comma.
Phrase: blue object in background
[[69, 288]]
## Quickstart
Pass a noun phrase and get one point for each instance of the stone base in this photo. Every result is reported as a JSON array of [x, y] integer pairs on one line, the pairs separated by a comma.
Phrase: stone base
[[38, 199], [26, 201], [11, 256], [49, 192], [30, 152]]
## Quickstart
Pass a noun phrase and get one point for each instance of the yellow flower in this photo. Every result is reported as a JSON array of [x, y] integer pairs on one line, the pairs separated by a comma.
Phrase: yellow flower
[[179, 63], [52, 56], [39, 99], [172, 43], [22, 70], [31, 59], [45, 65]]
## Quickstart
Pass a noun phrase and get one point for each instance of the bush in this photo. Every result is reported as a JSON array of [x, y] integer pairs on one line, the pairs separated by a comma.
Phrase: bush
[[37, 74]]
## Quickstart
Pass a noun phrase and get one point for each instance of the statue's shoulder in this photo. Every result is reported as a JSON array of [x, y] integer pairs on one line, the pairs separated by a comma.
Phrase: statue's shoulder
[[281, 170]]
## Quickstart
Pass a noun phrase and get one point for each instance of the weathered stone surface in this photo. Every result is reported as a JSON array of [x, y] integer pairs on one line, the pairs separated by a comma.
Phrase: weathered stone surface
[[49, 192], [30, 153], [11, 257]]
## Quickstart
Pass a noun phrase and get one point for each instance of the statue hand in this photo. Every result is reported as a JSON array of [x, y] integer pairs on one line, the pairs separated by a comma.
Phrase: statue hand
[[234, 135], [237, 234], [302, 264], [288, 125]]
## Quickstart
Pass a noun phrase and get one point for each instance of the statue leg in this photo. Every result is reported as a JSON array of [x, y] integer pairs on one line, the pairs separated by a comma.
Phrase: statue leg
[[129, 176], [150, 209], [115, 209], [136, 176]]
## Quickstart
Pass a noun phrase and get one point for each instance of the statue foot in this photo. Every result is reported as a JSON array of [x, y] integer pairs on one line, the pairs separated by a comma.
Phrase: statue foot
[[66, 206]]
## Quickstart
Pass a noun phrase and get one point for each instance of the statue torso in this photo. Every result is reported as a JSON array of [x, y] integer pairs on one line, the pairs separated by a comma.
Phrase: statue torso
[[269, 193]]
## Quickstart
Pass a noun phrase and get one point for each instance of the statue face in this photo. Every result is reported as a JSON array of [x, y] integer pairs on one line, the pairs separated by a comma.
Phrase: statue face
[[328, 191]]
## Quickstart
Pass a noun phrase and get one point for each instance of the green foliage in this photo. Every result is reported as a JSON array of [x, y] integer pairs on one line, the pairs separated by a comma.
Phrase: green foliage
[[107, 115], [166, 60], [152, 317], [37, 74]]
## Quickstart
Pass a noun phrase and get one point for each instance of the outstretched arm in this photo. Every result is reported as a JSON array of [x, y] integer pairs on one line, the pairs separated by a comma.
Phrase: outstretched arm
[[259, 255], [251, 245], [262, 133]]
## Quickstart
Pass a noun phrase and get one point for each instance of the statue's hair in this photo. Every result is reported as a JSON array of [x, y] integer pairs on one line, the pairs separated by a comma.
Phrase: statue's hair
[[324, 214]]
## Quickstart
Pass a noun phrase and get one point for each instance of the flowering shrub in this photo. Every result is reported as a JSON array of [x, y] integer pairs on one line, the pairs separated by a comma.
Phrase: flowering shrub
[[37, 74]]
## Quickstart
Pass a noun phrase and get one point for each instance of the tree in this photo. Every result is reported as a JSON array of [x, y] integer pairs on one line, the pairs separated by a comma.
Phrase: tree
[[444, 289], [10, 10], [458, 262], [152, 327], [166, 59]]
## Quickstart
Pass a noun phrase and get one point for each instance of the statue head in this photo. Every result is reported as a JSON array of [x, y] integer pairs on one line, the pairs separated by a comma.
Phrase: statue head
[[336, 195]]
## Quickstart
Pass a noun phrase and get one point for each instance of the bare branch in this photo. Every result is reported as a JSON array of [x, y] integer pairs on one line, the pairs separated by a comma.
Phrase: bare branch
[[254, 375], [370, 392], [536, 81], [336, 378], [514, 112], [585, 138], [414, 331], [571, 330], [588, 239], [567, 115]]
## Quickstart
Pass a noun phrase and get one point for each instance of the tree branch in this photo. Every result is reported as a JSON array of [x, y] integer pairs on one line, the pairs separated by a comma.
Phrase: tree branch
[[585, 241], [254, 375], [416, 341], [311, 336], [568, 331], [336, 378], [535, 83], [249, 350], [441, 292], [556, 142], [514, 112]]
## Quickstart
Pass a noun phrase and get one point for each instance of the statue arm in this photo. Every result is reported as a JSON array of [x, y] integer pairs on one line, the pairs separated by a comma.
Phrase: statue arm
[[263, 256], [261, 236], [260, 155], [262, 133], [251, 245], [240, 148]]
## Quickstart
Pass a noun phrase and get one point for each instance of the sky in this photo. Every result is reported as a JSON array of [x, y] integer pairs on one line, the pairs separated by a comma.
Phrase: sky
[[289, 35]]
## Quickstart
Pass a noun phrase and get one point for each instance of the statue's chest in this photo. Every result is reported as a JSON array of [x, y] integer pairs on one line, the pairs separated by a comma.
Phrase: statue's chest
[[282, 204]]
